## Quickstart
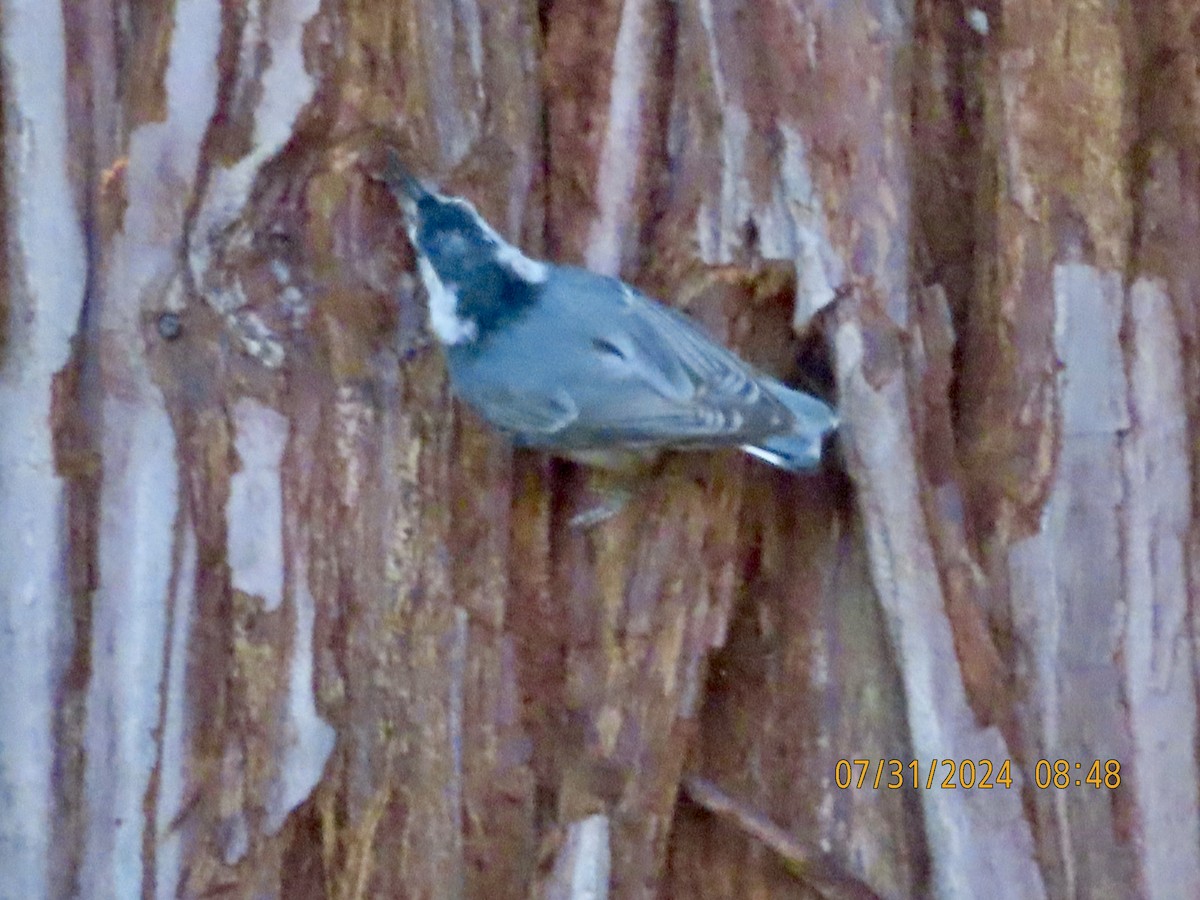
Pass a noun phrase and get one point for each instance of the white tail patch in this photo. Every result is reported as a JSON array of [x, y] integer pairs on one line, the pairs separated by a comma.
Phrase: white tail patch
[[768, 456]]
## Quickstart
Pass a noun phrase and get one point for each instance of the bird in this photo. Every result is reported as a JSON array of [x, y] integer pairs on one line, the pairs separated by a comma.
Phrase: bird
[[583, 365]]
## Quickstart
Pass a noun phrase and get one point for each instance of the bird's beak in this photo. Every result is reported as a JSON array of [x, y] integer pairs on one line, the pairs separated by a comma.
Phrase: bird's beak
[[404, 186]]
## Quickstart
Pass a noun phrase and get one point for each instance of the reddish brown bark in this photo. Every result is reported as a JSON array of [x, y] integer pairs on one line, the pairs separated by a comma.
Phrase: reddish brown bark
[[282, 619]]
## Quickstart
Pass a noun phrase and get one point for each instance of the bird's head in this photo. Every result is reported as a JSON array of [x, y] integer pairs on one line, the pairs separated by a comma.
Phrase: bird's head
[[472, 274]]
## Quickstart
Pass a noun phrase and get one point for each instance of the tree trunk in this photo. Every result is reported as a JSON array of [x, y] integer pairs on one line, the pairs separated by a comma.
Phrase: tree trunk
[[281, 619]]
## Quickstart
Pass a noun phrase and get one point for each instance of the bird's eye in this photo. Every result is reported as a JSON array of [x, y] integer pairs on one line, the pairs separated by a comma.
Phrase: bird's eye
[[609, 348], [449, 243]]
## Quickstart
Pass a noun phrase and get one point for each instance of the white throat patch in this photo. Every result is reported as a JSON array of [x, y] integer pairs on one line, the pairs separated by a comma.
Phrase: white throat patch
[[447, 324]]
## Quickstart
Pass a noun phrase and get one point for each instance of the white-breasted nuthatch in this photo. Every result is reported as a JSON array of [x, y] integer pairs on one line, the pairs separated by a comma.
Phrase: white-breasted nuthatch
[[580, 364]]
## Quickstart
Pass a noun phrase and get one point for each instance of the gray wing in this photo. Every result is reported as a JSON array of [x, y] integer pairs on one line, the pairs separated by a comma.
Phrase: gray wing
[[653, 377], [526, 412]]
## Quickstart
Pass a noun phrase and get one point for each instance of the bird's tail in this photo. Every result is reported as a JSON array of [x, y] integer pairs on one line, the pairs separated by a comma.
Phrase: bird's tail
[[798, 450]]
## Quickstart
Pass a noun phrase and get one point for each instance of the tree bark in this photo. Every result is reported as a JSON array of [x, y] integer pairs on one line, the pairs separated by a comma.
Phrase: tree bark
[[280, 618]]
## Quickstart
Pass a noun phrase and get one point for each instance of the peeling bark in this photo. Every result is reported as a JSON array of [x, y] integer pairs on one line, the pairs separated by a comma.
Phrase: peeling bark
[[43, 293], [281, 619]]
